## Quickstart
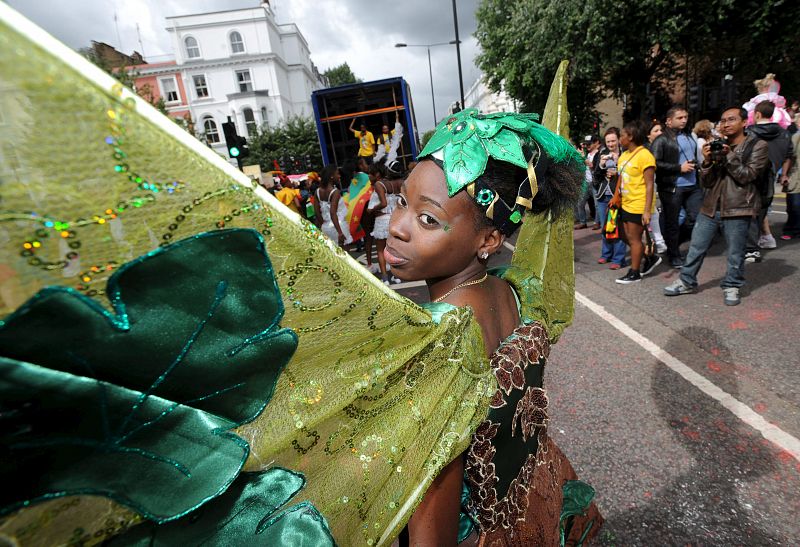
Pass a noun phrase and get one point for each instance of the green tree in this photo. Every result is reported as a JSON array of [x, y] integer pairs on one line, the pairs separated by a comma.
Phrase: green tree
[[341, 75], [631, 49], [293, 145], [426, 137]]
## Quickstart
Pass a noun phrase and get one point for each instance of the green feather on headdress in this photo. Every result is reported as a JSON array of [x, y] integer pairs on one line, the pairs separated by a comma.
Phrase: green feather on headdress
[[465, 141]]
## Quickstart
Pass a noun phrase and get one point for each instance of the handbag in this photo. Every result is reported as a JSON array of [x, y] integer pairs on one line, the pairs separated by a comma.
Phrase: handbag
[[649, 244], [611, 226]]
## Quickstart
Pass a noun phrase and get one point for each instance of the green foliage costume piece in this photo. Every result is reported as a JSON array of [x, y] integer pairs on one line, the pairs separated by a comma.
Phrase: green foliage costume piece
[[376, 391], [252, 510], [542, 268]]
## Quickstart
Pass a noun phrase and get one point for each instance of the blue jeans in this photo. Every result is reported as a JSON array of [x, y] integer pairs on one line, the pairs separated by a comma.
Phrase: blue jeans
[[580, 208], [705, 228], [613, 251]]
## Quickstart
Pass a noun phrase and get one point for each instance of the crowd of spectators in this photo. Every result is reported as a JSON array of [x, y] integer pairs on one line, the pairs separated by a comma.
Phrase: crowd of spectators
[[672, 187]]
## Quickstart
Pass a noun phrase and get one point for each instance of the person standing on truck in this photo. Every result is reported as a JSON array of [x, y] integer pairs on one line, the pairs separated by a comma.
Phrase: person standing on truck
[[366, 142]]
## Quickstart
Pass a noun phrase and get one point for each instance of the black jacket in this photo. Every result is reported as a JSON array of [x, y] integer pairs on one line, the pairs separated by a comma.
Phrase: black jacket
[[668, 165], [780, 145], [599, 180], [780, 149]]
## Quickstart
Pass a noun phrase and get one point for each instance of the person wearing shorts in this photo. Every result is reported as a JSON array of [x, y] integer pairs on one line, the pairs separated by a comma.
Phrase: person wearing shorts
[[635, 198]]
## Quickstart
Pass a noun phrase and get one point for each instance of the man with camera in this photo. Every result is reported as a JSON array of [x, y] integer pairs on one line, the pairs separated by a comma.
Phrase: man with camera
[[677, 157], [729, 174]]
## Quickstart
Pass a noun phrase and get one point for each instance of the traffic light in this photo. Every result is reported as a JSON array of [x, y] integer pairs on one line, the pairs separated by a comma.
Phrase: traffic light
[[237, 145], [695, 98]]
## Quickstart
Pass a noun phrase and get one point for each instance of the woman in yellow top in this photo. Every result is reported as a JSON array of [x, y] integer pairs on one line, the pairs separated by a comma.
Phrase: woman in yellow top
[[635, 198]]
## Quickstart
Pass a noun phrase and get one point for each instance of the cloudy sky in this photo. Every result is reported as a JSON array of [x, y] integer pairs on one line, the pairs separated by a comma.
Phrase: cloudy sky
[[360, 32]]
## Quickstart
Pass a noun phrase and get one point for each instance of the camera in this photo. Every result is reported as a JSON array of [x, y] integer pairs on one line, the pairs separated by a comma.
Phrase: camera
[[716, 146]]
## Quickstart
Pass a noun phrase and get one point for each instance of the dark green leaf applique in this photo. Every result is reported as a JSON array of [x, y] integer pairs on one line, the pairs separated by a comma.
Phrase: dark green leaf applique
[[577, 497], [136, 405], [463, 163], [506, 147], [248, 513]]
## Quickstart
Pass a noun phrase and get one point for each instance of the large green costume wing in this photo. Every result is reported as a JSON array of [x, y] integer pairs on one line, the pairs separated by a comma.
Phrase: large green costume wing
[[542, 268], [132, 384]]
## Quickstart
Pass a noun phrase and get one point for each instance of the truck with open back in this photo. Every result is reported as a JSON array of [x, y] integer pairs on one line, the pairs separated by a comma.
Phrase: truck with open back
[[375, 103]]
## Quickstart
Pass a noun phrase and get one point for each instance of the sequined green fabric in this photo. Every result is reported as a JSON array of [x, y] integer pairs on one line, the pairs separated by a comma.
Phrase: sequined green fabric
[[375, 400], [542, 268]]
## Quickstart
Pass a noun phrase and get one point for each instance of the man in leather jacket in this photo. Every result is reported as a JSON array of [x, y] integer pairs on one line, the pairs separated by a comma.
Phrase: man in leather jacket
[[677, 157], [731, 201]]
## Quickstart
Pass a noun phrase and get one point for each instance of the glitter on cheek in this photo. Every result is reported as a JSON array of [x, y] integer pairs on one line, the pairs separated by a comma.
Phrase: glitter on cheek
[[446, 227]]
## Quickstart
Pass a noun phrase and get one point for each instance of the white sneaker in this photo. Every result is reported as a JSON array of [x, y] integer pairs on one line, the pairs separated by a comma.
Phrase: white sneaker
[[661, 248], [767, 241], [373, 268], [395, 280], [731, 296]]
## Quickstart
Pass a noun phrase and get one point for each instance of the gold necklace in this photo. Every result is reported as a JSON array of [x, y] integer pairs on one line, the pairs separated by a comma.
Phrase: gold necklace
[[464, 284]]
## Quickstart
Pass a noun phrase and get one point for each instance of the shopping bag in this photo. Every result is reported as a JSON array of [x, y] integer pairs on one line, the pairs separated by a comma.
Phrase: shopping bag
[[611, 226]]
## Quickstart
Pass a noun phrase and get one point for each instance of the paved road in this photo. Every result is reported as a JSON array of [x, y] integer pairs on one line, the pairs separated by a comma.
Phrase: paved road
[[663, 404]]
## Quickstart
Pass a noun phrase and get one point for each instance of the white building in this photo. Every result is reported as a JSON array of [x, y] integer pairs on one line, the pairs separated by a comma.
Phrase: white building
[[487, 101], [241, 63]]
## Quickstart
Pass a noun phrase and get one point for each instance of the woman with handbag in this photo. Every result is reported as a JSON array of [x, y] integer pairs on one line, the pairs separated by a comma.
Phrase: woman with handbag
[[635, 196], [612, 251]]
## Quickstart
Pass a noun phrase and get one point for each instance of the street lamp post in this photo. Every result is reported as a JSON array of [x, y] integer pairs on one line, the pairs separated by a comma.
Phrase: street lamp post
[[430, 67], [457, 42]]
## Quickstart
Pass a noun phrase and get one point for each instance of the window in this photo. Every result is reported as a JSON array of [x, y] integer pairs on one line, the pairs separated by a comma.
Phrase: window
[[250, 121], [200, 86], [211, 131], [263, 115], [237, 44], [169, 90], [244, 81], [192, 47]]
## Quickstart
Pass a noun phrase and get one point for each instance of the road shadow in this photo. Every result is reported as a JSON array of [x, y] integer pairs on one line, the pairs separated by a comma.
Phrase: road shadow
[[771, 270], [701, 506]]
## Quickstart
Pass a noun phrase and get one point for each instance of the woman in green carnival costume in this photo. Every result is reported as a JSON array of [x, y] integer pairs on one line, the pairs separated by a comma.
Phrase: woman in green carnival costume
[[185, 361], [477, 178]]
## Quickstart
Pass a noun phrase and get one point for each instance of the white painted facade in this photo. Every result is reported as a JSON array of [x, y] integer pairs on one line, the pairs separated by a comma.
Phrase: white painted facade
[[487, 101], [240, 63]]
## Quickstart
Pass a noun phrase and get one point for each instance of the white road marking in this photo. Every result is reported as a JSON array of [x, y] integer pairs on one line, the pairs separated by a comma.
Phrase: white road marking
[[408, 284], [783, 440]]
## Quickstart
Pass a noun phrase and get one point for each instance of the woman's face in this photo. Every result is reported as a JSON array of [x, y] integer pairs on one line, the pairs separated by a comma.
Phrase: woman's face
[[431, 235], [655, 131], [625, 140], [385, 128]]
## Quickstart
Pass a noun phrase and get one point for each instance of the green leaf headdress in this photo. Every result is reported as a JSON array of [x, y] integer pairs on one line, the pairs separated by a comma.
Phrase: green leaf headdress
[[464, 142]]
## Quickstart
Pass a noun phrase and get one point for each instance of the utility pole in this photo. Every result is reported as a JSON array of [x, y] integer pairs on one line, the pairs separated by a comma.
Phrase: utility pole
[[458, 53]]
